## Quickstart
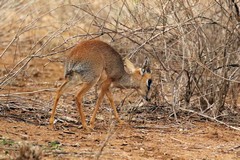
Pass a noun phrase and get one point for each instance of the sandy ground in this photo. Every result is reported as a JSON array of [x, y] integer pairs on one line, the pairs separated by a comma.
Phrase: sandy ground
[[136, 141], [149, 134]]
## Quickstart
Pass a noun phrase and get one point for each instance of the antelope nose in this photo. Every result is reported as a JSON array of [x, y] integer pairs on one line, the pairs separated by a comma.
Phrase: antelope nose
[[147, 99]]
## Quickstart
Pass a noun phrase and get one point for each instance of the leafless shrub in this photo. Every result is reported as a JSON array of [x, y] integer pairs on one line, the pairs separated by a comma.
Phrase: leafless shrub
[[193, 45]]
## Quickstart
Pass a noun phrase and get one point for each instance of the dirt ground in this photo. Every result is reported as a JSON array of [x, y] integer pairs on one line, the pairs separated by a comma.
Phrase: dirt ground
[[149, 133]]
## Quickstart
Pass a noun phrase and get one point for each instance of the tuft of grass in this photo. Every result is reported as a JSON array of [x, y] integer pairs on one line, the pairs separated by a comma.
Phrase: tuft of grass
[[6, 142], [54, 145]]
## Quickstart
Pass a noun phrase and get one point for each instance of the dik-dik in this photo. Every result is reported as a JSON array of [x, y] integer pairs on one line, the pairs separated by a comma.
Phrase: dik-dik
[[94, 62]]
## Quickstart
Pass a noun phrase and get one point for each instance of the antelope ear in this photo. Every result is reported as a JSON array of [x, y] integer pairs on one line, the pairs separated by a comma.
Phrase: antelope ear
[[129, 65], [146, 65]]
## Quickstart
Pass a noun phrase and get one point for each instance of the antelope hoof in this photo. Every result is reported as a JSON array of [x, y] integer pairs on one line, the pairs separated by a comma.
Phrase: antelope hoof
[[91, 127], [51, 120], [51, 126], [88, 129]]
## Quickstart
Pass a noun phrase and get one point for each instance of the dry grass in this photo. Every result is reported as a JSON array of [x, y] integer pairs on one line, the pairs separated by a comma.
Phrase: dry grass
[[193, 46]]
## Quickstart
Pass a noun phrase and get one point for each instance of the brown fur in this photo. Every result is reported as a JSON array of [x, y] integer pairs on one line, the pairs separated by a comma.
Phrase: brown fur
[[92, 62]]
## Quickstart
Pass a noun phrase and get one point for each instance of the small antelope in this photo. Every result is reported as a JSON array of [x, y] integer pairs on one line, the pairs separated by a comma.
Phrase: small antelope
[[94, 61]]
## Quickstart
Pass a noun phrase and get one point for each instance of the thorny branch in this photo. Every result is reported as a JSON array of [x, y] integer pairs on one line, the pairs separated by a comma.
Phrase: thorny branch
[[179, 37]]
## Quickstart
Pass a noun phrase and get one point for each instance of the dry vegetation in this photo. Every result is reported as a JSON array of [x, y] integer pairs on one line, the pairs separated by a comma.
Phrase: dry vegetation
[[194, 47]]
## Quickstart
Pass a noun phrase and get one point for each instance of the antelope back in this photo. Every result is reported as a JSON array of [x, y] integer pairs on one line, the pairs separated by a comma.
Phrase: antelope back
[[90, 58]]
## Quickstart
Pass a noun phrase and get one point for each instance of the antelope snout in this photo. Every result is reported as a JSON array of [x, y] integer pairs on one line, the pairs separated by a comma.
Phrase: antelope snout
[[145, 95], [147, 99]]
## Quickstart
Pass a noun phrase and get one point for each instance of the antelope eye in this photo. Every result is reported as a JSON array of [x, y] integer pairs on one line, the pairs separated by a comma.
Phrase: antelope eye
[[148, 70], [142, 71]]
